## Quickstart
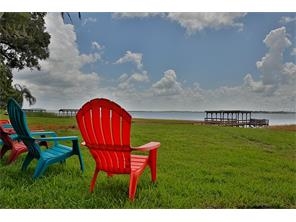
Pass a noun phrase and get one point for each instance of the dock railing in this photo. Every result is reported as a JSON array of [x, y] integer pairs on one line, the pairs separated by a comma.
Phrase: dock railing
[[237, 118]]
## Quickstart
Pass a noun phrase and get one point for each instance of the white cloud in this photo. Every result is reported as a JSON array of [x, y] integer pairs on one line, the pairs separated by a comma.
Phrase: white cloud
[[285, 20], [194, 21], [128, 82], [289, 73], [120, 15], [277, 40], [293, 53], [88, 20], [61, 81], [169, 94], [167, 85], [274, 72], [129, 56], [258, 86], [130, 90], [197, 21], [97, 46]]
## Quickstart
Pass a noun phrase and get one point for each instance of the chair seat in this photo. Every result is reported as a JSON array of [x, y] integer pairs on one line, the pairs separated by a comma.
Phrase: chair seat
[[56, 151], [138, 163], [19, 146]]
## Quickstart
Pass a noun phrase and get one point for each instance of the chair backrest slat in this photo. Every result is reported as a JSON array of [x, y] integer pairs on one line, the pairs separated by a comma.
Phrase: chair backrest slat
[[116, 124], [126, 128], [105, 127], [105, 116], [97, 125], [7, 141], [89, 127], [18, 121]]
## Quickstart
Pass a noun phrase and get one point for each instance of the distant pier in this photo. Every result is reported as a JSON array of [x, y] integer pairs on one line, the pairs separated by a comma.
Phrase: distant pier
[[236, 118], [36, 110], [68, 112]]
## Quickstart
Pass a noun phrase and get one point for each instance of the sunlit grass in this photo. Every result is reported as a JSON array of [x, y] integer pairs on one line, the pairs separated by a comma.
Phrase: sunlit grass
[[199, 166]]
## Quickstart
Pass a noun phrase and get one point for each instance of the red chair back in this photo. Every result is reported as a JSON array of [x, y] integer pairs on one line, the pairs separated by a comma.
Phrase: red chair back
[[105, 128]]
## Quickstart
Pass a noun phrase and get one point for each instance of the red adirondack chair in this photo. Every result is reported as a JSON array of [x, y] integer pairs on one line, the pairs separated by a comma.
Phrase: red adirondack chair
[[105, 128], [9, 141], [15, 146]]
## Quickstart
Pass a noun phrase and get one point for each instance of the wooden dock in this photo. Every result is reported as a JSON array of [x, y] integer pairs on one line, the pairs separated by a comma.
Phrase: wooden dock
[[34, 110], [236, 118], [68, 112]]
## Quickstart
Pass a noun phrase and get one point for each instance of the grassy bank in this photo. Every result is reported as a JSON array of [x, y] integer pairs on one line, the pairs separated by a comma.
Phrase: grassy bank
[[199, 166]]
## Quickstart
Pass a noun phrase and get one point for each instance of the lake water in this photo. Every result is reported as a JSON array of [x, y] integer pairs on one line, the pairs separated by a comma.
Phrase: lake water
[[274, 118]]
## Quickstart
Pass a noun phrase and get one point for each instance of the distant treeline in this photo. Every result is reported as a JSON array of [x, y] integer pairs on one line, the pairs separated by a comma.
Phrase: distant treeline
[[275, 112]]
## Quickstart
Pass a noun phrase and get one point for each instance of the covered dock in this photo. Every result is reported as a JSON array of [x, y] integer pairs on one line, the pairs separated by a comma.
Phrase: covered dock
[[36, 110], [67, 112], [237, 118]]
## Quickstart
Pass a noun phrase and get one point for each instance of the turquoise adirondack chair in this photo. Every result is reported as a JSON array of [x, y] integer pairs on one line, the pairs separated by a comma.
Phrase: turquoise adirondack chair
[[56, 153]]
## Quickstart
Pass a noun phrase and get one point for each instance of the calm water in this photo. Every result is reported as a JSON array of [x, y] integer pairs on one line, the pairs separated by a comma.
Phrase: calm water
[[274, 118]]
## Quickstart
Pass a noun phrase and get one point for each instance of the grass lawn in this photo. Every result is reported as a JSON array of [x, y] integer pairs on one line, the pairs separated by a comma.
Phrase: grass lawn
[[199, 166]]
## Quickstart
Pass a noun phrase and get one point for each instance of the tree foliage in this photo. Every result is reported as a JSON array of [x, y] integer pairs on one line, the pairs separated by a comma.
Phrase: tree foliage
[[23, 42]]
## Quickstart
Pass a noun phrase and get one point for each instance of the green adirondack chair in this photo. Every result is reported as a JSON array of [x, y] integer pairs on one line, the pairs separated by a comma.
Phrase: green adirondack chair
[[56, 153]]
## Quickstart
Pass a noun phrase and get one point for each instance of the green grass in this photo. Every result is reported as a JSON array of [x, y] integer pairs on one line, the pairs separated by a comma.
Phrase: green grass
[[198, 167]]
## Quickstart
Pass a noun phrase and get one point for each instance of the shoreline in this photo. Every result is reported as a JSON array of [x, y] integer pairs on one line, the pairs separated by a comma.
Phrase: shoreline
[[287, 127]]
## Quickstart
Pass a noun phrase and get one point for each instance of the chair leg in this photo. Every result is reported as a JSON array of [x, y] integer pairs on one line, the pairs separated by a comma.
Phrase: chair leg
[[133, 186], [76, 151], [152, 164], [40, 168], [12, 157], [81, 162], [4, 150], [93, 181], [27, 161]]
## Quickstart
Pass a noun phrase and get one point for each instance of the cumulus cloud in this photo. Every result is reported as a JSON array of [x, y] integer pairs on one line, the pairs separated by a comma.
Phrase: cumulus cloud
[[62, 84], [97, 46], [257, 86], [194, 21], [120, 15], [61, 81], [289, 73], [197, 21], [88, 20], [285, 20], [293, 53], [167, 85], [274, 72], [129, 56], [127, 82], [275, 90]]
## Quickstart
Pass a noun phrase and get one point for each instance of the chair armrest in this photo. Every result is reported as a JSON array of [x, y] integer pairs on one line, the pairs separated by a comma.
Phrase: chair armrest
[[41, 133], [14, 136], [57, 138], [6, 125], [147, 146]]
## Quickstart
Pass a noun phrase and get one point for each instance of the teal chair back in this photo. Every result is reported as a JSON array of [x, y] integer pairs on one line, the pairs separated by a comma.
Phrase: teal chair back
[[18, 121]]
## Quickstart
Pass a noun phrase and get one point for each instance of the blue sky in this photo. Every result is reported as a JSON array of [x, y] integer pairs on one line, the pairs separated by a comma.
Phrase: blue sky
[[169, 61]]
